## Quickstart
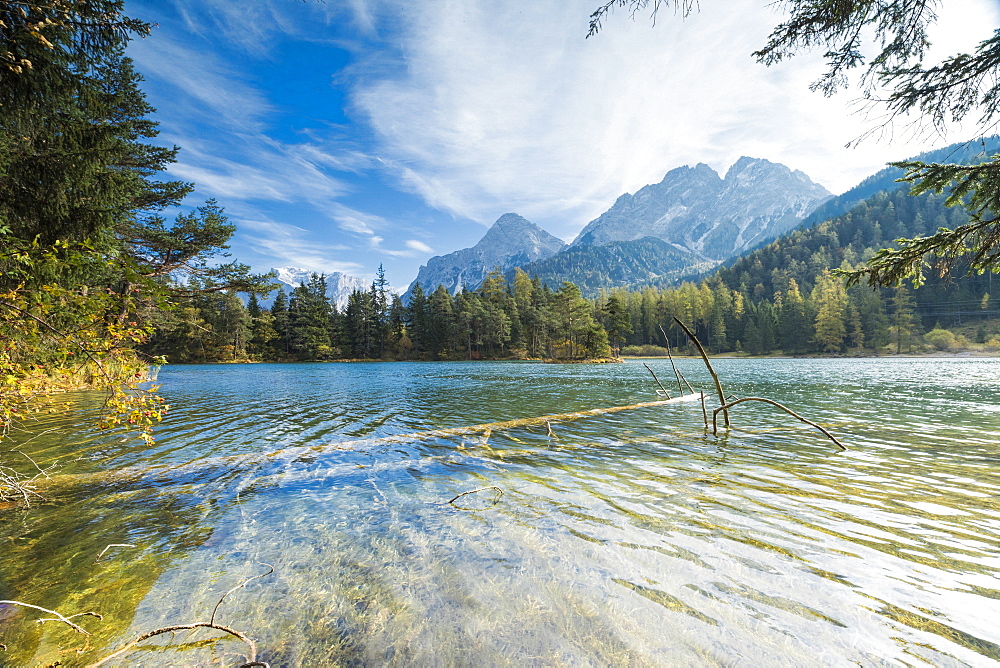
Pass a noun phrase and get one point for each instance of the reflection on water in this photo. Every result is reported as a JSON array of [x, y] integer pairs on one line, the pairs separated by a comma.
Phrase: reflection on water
[[632, 538]]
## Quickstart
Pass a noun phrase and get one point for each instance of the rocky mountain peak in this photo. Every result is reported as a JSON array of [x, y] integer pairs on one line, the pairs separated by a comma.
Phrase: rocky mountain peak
[[510, 242], [716, 218], [511, 221], [746, 164]]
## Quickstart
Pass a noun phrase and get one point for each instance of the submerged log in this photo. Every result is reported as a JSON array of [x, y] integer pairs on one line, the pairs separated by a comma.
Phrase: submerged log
[[231, 462]]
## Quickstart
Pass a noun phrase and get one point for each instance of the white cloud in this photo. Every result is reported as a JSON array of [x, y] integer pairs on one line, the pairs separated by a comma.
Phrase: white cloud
[[252, 26], [210, 91], [418, 246], [294, 246], [358, 222], [413, 248], [480, 109], [507, 107], [258, 168]]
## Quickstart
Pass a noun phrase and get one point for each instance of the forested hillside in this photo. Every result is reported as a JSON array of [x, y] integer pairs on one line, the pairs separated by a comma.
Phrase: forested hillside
[[886, 179], [619, 264], [854, 237]]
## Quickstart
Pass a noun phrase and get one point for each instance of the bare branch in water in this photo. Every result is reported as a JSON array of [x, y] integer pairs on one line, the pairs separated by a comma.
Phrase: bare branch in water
[[677, 372], [183, 627], [715, 415], [715, 376], [58, 616], [252, 657], [704, 413], [109, 547], [662, 389], [496, 499], [240, 586]]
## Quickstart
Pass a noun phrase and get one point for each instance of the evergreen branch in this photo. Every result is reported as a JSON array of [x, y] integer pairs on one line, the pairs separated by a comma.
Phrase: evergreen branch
[[978, 240]]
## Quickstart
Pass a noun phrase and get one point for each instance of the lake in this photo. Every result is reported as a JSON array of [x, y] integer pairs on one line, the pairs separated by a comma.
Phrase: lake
[[632, 538]]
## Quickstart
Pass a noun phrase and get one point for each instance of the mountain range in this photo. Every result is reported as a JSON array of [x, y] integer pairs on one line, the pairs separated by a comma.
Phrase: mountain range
[[687, 223], [713, 217], [691, 221], [339, 286]]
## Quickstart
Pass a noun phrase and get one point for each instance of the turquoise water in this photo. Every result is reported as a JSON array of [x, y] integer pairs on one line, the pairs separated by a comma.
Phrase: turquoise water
[[627, 539]]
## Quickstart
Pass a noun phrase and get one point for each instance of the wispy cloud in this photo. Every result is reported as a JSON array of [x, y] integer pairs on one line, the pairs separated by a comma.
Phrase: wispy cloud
[[211, 92], [294, 246], [412, 248], [461, 111], [418, 246], [506, 107], [357, 222], [257, 168]]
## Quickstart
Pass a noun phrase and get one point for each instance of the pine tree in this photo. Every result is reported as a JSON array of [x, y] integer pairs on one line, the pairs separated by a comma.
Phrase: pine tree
[[794, 329], [359, 324], [262, 330], [616, 322], [279, 313], [857, 332], [830, 299], [397, 327], [440, 324], [380, 310], [575, 324], [903, 318], [532, 322], [417, 318]]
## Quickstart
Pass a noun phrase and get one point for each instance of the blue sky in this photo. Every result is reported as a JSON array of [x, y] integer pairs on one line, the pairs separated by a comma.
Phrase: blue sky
[[343, 134]]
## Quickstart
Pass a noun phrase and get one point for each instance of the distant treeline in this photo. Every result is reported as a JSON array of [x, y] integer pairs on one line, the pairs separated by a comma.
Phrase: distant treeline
[[781, 298], [498, 321]]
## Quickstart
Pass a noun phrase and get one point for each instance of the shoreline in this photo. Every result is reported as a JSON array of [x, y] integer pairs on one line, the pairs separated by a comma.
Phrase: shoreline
[[624, 358], [966, 354]]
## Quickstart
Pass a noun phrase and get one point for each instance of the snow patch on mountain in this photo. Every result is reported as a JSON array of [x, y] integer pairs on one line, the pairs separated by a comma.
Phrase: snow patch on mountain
[[339, 286]]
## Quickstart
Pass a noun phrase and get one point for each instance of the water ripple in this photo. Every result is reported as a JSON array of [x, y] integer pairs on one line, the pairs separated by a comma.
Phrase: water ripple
[[633, 538]]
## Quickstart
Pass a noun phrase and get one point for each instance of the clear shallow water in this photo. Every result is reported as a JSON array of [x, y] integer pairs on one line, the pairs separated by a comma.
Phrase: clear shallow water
[[626, 539]]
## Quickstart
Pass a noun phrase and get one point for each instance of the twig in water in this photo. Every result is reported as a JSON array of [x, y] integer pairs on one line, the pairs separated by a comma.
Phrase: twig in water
[[109, 547], [715, 377], [240, 586], [183, 627], [677, 371], [199, 625], [496, 499], [38, 435], [38, 468], [715, 414], [58, 616], [549, 426], [14, 483], [662, 389], [704, 413]]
